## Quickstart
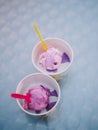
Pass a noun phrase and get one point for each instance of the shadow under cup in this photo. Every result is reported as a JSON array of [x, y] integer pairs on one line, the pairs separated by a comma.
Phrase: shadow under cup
[[62, 46]]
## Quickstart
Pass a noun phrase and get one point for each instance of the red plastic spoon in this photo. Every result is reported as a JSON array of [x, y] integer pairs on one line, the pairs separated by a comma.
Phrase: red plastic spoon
[[26, 97]]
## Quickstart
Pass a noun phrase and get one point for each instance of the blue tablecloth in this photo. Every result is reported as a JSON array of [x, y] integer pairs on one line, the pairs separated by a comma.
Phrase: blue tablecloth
[[72, 20]]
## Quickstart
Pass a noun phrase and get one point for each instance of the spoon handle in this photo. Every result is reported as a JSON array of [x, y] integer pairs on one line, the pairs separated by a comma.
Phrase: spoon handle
[[40, 37], [14, 95], [26, 97]]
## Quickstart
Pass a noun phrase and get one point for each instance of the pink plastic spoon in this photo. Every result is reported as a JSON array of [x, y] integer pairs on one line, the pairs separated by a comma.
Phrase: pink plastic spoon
[[26, 97]]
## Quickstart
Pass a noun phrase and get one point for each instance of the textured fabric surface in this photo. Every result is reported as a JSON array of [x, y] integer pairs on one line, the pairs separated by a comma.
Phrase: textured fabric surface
[[72, 20]]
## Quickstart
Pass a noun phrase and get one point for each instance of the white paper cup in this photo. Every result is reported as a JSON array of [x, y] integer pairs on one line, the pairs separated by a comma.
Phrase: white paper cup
[[37, 79], [60, 44]]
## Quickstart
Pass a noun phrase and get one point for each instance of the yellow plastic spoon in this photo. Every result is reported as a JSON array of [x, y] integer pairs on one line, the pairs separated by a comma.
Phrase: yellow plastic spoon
[[40, 37]]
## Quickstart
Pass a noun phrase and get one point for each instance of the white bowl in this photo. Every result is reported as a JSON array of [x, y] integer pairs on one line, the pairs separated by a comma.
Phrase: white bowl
[[60, 44], [37, 79]]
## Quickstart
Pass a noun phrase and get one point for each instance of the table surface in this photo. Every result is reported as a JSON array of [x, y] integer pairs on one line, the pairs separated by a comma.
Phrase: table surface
[[72, 20]]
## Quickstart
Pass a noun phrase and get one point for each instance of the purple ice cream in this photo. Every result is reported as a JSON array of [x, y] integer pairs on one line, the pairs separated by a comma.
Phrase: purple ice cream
[[39, 98]]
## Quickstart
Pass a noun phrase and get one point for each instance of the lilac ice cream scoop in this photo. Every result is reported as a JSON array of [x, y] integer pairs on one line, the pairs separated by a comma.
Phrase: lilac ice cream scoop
[[51, 59], [39, 98]]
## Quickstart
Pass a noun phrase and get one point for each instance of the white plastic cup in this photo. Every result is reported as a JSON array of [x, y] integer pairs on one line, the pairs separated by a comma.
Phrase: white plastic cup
[[37, 79], [60, 44]]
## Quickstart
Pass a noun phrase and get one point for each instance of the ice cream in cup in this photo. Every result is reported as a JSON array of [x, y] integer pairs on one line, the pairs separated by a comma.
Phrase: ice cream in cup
[[37, 94], [56, 60]]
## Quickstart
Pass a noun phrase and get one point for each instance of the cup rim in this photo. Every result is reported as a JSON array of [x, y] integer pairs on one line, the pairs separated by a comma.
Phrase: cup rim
[[44, 113], [56, 73]]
